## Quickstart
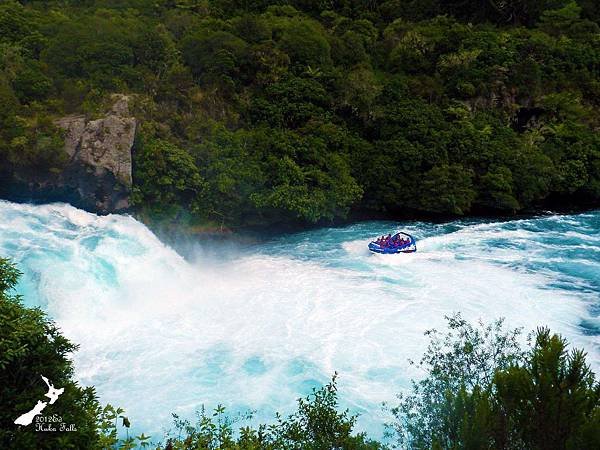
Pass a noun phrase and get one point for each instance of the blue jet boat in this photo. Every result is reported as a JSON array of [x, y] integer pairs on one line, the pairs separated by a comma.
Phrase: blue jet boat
[[398, 243]]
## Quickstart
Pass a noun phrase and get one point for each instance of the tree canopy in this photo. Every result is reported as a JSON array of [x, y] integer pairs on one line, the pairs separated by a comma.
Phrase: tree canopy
[[300, 111]]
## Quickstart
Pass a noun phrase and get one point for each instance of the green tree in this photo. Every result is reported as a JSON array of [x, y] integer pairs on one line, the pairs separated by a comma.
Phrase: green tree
[[32, 84], [291, 103], [444, 409], [447, 190], [552, 399], [232, 176], [15, 22], [306, 45], [496, 190], [483, 391], [213, 56], [31, 346], [316, 425], [167, 180]]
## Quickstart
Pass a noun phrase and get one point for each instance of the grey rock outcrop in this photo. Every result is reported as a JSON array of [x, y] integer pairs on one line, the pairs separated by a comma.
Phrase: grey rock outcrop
[[97, 176], [100, 163]]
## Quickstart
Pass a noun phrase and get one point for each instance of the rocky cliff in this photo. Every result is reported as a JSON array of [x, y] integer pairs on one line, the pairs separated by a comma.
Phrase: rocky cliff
[[98, 175]]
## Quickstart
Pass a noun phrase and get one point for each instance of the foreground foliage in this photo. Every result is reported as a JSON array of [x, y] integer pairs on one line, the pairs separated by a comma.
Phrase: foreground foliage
[[31, 346], [483, 391], [317, 424], [289, 111]]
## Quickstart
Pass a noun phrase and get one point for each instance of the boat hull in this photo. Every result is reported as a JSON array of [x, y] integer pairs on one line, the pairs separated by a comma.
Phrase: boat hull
[[390, 251]]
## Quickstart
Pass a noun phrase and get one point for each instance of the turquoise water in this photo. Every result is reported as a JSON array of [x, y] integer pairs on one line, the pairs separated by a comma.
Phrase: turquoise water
[[255, 326]]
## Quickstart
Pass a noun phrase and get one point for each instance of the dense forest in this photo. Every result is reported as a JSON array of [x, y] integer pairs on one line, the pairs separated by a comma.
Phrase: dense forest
[[481, 390], [309, 111]]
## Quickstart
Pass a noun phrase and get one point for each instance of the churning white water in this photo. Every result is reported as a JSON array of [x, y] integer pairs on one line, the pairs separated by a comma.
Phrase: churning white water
[[256, 326]]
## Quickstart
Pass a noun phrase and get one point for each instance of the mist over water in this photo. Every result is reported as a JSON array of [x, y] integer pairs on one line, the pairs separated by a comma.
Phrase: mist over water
[[256, 326]]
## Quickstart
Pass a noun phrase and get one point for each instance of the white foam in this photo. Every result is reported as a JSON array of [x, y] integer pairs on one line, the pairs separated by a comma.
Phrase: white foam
[[159, 335]]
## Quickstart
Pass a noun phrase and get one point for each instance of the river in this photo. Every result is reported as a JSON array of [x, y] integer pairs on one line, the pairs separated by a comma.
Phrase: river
[[254, 326]]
